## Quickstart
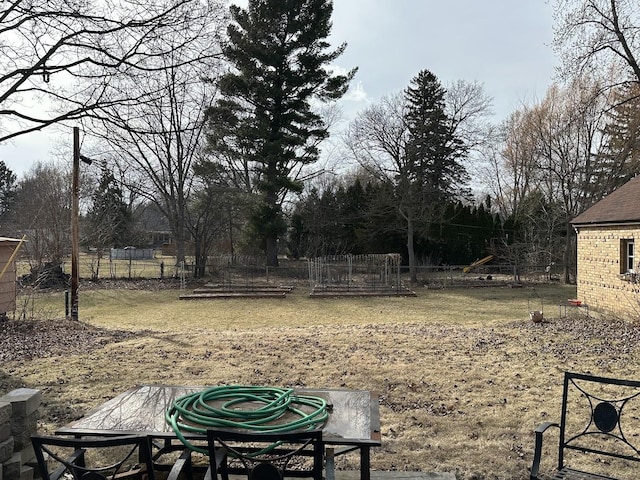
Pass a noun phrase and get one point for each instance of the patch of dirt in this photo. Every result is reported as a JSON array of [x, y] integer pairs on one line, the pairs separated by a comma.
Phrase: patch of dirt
[[29, 339], [609, 338]]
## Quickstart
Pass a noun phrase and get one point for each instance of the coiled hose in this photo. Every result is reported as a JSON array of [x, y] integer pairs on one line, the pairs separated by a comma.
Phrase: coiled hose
[[195, 413]]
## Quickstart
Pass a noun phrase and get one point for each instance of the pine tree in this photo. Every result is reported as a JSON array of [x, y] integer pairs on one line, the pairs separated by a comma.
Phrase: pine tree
[[264, 118], [109, 221], [433, 174], [433, 151]]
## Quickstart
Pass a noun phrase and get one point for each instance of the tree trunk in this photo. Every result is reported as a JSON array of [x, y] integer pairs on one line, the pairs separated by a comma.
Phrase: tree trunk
[[272, 216], [413, 277], [180, 251], [198, 267], [178, 230], [231, 249], [272, 251]]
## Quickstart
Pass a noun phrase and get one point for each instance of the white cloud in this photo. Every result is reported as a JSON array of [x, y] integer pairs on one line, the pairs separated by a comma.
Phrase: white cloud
[[356, 94]]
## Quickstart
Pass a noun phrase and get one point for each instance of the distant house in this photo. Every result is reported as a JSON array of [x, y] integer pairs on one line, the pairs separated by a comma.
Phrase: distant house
[[154, 224], [608, 272]]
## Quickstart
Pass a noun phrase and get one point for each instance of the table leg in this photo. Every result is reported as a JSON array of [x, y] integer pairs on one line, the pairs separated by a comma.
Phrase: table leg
[[365, 463], [329, 464]]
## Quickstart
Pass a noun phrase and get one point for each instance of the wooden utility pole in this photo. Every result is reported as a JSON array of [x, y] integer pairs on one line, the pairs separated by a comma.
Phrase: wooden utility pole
[[75, 236]]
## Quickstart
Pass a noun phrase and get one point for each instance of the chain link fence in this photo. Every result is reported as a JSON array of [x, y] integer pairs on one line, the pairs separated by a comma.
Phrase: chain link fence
[[251, 270]]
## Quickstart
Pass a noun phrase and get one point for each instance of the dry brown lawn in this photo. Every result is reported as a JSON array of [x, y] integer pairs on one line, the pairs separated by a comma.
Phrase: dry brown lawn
[[463, 376]]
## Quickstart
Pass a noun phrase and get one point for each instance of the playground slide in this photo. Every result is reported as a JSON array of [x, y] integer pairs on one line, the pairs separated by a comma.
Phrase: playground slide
[[477, 263]]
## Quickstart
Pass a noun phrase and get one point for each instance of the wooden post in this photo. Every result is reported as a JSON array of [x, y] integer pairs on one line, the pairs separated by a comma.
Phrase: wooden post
[[75, 240]]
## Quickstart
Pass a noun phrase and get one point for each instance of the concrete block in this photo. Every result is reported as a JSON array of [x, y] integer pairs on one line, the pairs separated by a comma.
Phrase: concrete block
[[6, 409], [5, 431], [6, 449], [24, 401], [20, 442], [20, 424], [34, 465], [11, 468], [26, 473], [22, 428], [28, 455]]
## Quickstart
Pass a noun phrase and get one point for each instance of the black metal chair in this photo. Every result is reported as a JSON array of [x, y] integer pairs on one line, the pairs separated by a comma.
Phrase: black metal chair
[[598, 430], [265, 456], [171, 458], [103, 458]]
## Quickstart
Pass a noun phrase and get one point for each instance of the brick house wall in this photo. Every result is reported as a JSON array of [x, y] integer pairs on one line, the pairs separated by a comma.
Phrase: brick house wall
[[600, 265]]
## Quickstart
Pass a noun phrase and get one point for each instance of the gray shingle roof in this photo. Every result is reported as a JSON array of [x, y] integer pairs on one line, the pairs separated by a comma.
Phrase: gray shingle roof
[[620, 206]]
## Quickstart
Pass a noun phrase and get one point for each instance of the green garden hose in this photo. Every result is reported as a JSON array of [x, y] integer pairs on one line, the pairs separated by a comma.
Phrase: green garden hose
[[195, 413]]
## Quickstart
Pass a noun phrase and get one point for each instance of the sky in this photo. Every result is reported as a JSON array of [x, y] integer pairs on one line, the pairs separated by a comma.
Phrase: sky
[[503, 44]]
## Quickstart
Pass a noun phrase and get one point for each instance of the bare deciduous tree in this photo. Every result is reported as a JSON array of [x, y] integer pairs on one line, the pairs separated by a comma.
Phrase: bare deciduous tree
[[548, 166], [43, 213], [592, 36], [59, 58], [157, 141], [468, 106], [512, 162]]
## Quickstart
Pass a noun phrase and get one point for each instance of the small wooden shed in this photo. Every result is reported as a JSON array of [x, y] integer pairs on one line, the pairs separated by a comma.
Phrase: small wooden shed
[[8, 250]]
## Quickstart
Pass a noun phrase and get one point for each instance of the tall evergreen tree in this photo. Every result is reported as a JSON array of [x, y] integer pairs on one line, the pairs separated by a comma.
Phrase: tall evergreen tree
[[109, 221], [264, 119], [352, 213], [433, 173], [434, 152]]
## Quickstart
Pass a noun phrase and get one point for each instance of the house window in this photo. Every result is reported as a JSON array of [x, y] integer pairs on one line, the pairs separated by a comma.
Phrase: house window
[[627, 251]]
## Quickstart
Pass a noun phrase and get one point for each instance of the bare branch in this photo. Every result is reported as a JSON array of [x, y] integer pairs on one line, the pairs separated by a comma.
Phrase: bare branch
[[592, 35], [70, 56]]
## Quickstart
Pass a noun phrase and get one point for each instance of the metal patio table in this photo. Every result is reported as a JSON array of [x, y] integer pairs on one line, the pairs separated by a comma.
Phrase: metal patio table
[[353, 423]]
